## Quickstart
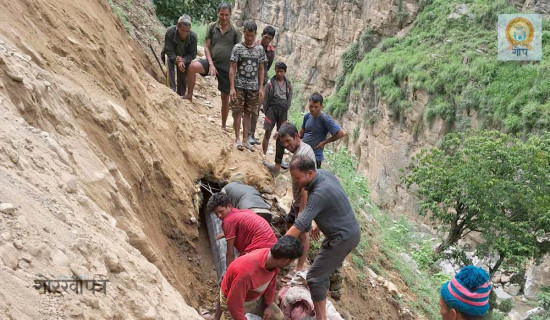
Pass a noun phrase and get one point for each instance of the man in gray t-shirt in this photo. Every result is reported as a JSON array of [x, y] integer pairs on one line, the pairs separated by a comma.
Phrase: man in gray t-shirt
[[327, 205], [290, 140], [243, 196]]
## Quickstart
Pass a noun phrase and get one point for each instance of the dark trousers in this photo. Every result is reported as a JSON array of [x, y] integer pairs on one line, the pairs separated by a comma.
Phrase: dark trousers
[[181, 85], [330, 257], [279, 151], [318, 163]]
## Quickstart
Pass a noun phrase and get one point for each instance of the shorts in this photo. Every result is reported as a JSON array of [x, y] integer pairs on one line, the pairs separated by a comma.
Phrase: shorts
[[223, 76], [291, 216], [275, 115], [247, 101]]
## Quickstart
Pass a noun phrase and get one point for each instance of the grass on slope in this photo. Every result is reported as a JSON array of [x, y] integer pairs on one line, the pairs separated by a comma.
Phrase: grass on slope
[[391, 237], [455, 61], [200, 30]]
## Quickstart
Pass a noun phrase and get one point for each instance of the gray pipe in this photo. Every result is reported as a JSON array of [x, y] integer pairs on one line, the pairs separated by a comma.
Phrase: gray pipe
[[219, 247]]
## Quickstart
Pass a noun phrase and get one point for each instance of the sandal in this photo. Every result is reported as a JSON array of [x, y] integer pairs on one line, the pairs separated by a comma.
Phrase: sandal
[[248, 146], [271, 169], [239, 146]]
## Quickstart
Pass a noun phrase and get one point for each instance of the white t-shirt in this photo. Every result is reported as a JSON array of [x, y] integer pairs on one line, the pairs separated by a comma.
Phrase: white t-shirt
[[305, 150]]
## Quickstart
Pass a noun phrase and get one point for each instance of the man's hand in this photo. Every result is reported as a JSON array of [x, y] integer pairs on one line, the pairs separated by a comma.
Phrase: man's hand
[[261, 93], [233, 94], [220, 236], [212, 70], [180, 62], [267, 313], [181, 66], [320, 145], [315, 233]]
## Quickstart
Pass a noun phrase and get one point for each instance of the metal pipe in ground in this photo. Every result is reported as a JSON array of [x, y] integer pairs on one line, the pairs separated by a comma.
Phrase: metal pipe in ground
[[219, 247]]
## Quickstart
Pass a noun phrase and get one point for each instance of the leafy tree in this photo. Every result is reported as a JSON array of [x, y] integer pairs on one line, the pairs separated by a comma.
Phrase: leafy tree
[[491, 183], [168, 11]]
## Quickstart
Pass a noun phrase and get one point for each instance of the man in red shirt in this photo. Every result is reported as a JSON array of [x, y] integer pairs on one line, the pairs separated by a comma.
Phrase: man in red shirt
[[243, 229], [249, 283]]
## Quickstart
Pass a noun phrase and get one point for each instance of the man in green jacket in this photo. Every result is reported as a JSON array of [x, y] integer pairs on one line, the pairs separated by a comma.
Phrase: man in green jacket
[[180, 45]]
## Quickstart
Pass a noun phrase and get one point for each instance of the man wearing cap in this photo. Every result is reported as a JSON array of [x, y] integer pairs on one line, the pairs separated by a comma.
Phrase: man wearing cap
[[466, 295], [180, 44], [221, 36]]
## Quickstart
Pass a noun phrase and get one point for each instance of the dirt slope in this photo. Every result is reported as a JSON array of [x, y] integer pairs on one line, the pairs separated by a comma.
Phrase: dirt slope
[[100, 162]]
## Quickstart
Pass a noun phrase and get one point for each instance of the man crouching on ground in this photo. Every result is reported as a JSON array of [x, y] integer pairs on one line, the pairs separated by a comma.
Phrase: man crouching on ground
[[249, 285], [243, 229]]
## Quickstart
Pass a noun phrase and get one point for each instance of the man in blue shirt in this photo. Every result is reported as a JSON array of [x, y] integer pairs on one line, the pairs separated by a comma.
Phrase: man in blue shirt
[[317, 125]]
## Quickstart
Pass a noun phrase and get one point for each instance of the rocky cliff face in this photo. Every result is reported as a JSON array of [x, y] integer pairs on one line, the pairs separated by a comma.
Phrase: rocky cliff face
[[386, 147], [313, 34], [537, 6]]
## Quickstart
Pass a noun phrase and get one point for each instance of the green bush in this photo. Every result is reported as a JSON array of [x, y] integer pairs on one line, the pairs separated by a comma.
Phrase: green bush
[[506, 305], [544, 302], [454, 60], [296, 111], [355, 52], [168, 11], [200, 30], [491, 183]]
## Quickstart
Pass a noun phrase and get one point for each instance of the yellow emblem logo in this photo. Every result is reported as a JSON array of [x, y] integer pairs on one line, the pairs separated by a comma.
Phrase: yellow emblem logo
[[520, 32]]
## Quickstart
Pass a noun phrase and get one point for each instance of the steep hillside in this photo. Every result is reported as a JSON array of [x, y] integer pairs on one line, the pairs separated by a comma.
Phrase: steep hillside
[[312, 35], [442, 76], [409, 91], [98, 164]]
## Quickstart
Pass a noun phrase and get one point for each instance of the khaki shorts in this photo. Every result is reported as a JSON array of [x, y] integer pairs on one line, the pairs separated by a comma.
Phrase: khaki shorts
[[254, 307], [248, 101]]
